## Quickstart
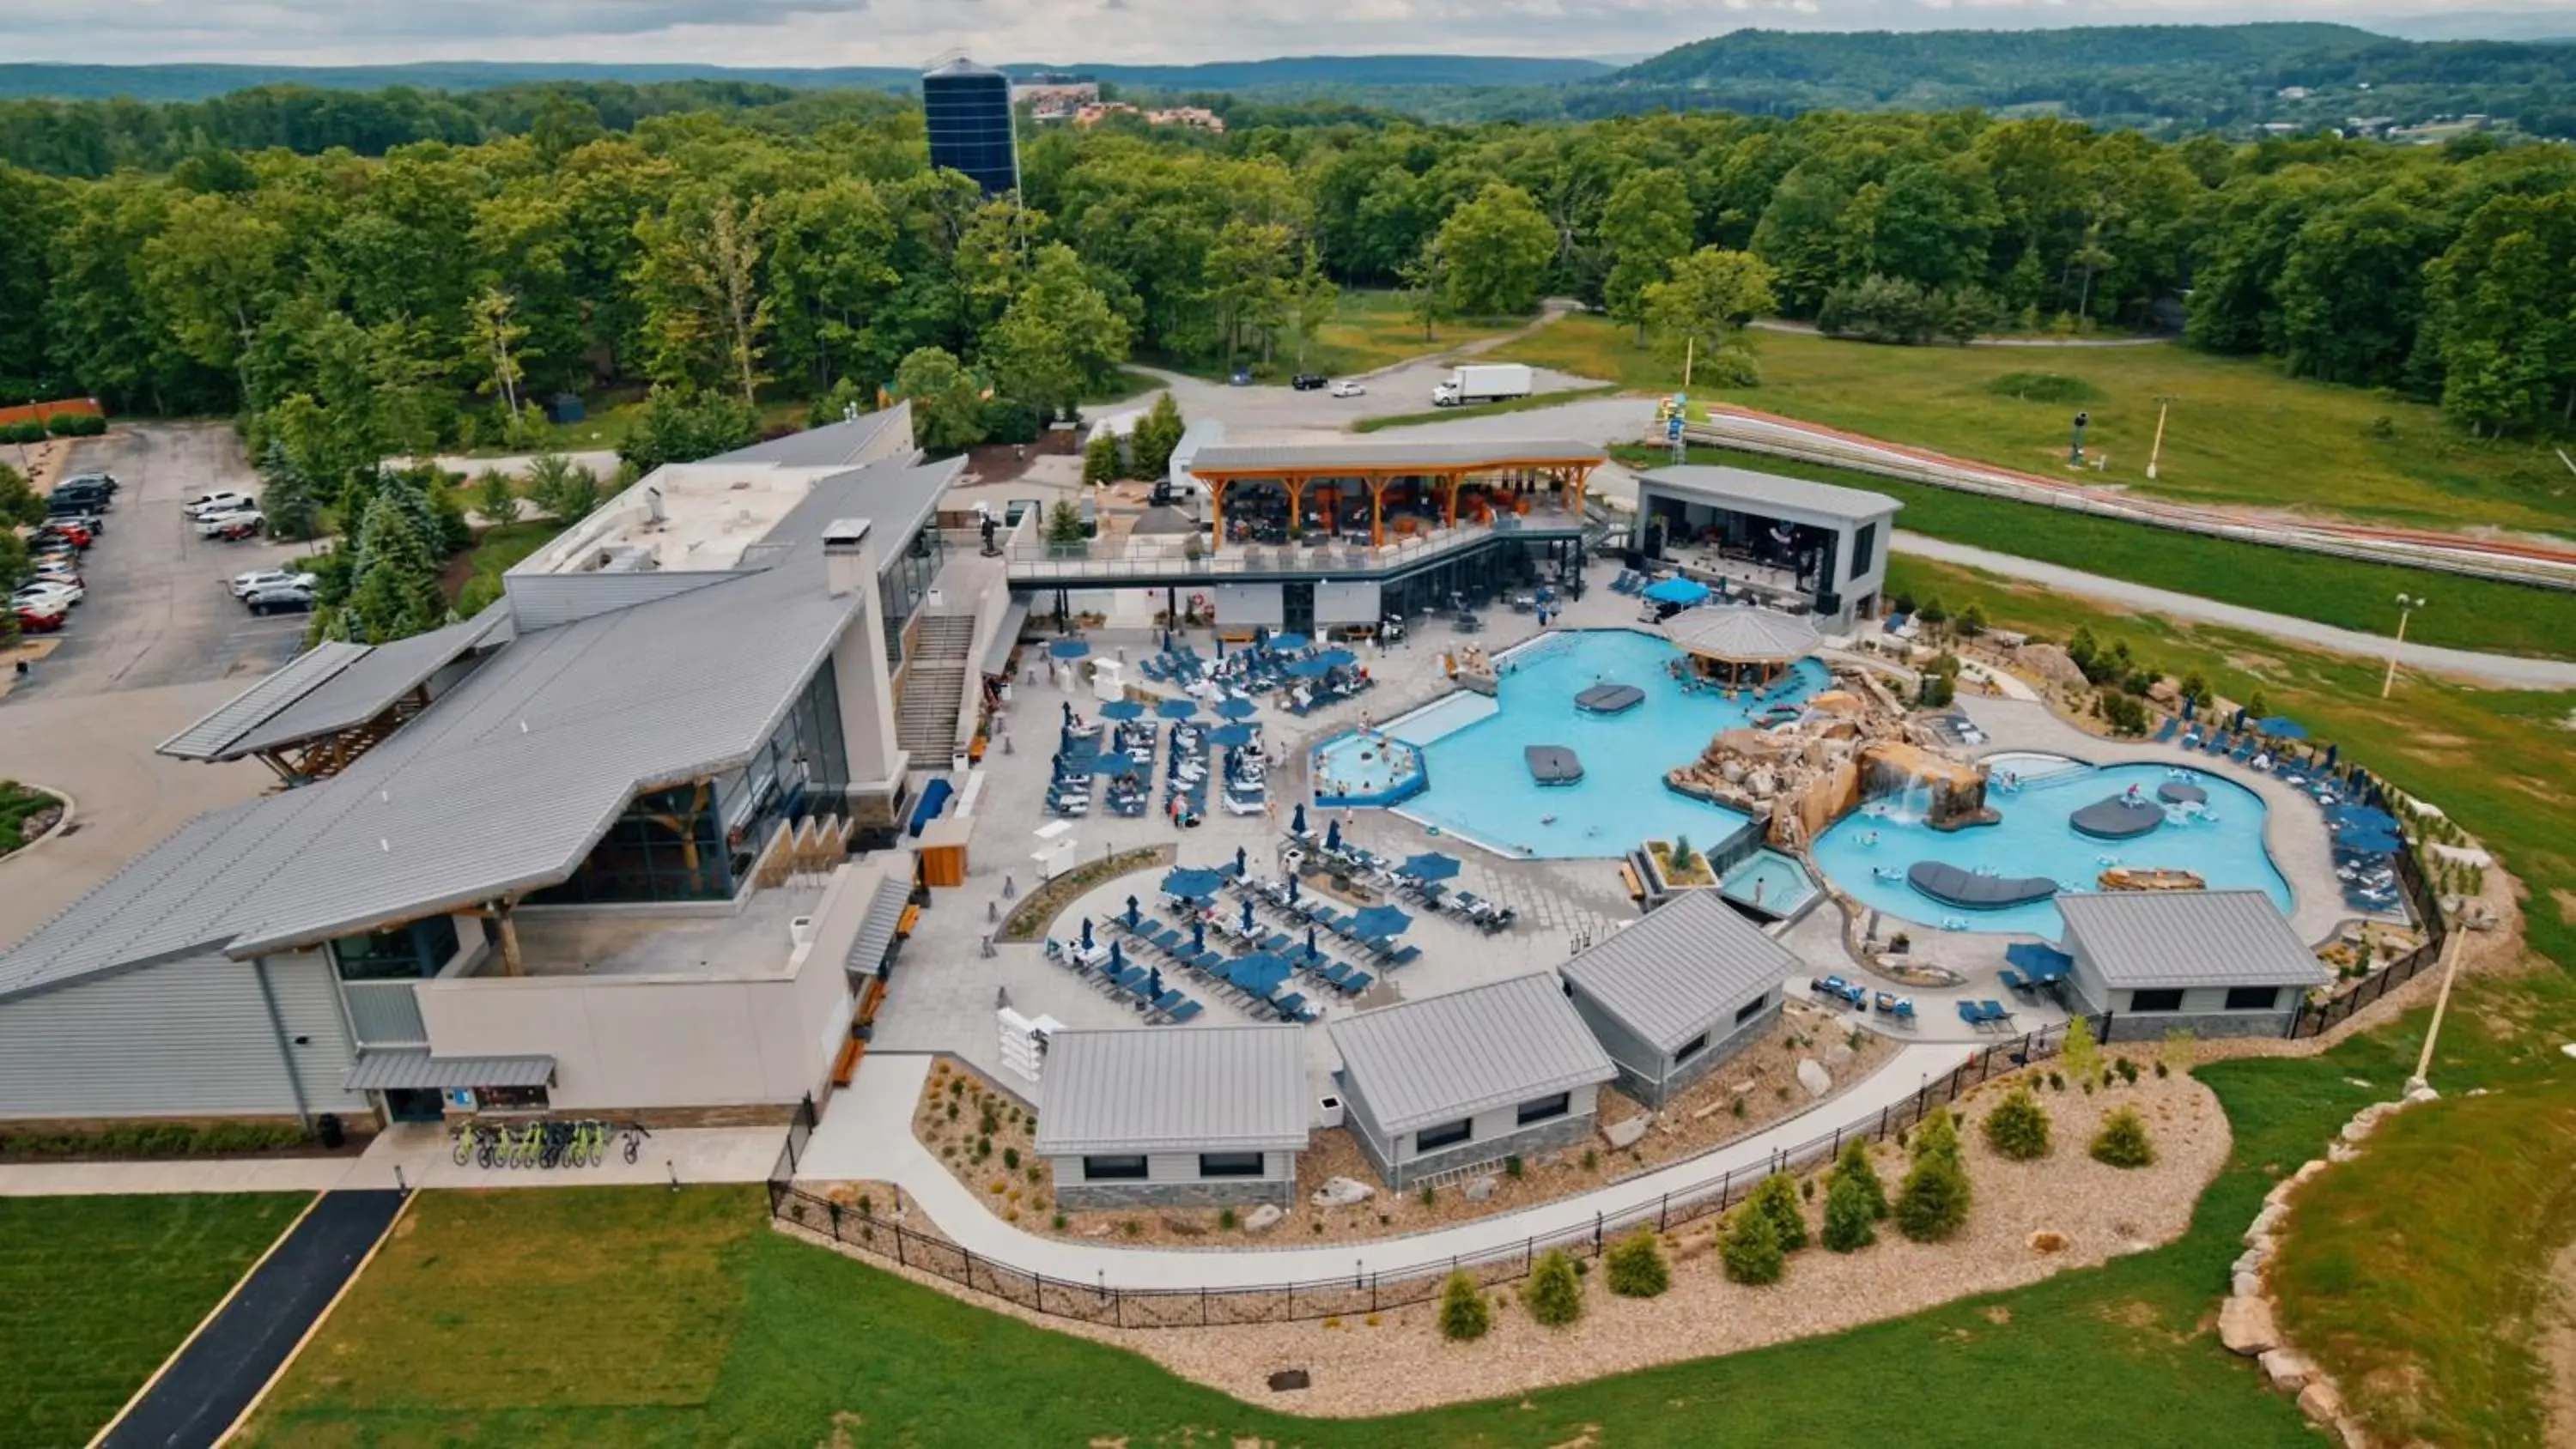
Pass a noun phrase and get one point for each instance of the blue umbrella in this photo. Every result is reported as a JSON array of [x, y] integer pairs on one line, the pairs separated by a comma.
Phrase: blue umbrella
[[1380, 921], [1132, 913], [1247, 917], [1297, 826], [1430, 865], [1192, 885], [1117, 958], [1286, 643], [1237, 708], [2362, 817], [2368, 842], [2330, 754], [1068, 649], [1677, 591], [1338, 658], [1122, 709], [1311, 953], [1176, 709], [2280, 727], [1310, 667], [1292, 890], [1332, 835], [2190, 707], [1068, 714], [1154, 984], [1086, 933], [1236, 735]]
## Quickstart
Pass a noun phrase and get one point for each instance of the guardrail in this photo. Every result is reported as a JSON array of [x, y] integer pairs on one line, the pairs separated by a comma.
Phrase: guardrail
[[2312, 1019], [1030, 563]]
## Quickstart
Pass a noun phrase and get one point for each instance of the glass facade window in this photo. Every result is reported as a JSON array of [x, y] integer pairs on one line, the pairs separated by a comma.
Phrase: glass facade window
[[967, 111], [397, 953], [1546, 1109], [1447, 1134], [1864, 549], [2253, 998], [2155, 1000], [905, 582], [1118, 1168]]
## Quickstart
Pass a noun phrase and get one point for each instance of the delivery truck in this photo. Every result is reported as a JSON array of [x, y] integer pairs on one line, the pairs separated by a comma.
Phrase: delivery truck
[[1483, 382]]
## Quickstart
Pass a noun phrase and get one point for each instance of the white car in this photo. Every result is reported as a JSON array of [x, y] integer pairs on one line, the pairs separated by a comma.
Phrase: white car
[[1348, 388], [242, 584], [227, 501], [49, 595], [215, 525]]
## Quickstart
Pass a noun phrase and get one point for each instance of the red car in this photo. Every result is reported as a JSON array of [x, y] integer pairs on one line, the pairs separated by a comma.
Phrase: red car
[[71, 533], [39, 621]]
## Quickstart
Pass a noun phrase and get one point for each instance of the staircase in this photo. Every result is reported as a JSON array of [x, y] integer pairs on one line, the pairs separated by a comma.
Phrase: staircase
[[934, 686]]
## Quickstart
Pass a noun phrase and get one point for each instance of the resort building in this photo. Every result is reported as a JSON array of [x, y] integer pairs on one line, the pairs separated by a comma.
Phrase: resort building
[[1673, 995], [2215, 963], [1469, 1079], [1815, 548], [587, 850], [1211, 1117]]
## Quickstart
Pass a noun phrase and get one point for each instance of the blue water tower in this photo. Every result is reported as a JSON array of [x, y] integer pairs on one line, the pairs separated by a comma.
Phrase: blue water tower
[[968, 107]]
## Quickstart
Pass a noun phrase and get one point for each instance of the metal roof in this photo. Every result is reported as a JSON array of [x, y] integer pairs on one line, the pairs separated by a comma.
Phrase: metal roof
[[876, 929], [823, 447], [1685, 969], [1337, 458], [209, 737], [1746, 489], [378, 1069], [896, 498], [1174, 1089], [369, 685], [1451, 1056], [2187, 938], [997, 655], [1743, 631]]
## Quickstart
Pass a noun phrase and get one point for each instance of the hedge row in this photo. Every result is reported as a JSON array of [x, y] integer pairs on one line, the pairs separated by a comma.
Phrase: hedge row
[[159, 1139]]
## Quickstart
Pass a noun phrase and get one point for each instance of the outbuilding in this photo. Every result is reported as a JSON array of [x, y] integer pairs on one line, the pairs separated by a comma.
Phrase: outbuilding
[[1673, 995], [1174, 1117], [1469, 1078], [2215, 963]]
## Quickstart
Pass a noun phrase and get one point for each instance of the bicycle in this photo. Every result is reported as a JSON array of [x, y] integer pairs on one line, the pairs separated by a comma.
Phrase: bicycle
[[636, 1132]]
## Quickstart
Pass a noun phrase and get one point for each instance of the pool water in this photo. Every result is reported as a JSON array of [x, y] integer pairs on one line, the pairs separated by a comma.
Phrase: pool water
[[1480, 784], [1769, 881], [1362, 767], [2224, 846]]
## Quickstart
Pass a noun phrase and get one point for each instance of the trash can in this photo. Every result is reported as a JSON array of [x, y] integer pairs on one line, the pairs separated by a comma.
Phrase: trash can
[[327, 1130]]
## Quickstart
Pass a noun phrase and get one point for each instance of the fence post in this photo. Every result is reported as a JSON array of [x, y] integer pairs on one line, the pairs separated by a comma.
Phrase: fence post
[[899, 1236], [1203, 1305], [1664, 1213], [970, 1266], [1596, 1235]]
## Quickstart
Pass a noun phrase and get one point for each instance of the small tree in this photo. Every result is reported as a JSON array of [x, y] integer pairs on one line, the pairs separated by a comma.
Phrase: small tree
[[1100, 458], [2181, 1049], [1750, 1250], [1850, 1215], [2018, 1126], [1855, 1164], [1682, 854], [1064, 523], [1555, 1293], [1971, 621], [1463, 1314], [2083, 1058], [2122, 1142], [1637, 1268], [495, 499], [1777, 1197], [1933, 1200]]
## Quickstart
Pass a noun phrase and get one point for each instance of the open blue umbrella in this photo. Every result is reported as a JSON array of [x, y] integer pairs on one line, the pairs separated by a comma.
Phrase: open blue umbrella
[[1430, 865], [1068, 649], [1380, 921], [1677, 591], [1297, 826], [1122, 709], [2362, 818], [1338, 658], [1176, 709], [1286, 643], [1310, 667], [1237, 708], [1086, 933], [1192, 885], [2368, 842], [2280, 727], [1234, 735], [1133, 914], [2039, 960]]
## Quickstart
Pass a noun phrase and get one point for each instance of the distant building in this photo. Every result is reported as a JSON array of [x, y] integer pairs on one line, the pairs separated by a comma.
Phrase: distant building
[[2214, 963], [2293, 93], [1197, 118], [968, 108], [1055, 96]]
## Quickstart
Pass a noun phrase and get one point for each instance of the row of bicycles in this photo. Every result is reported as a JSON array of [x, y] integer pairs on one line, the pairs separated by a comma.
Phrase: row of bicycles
[[583, 1143]]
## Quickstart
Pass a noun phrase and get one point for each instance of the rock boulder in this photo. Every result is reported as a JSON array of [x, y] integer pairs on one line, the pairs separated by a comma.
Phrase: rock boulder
[[1342, 1192], [2288, 1370], [1624, 1134], [1263, 1218], [1813, 1076], [1481, 1189], [2245, 1326]]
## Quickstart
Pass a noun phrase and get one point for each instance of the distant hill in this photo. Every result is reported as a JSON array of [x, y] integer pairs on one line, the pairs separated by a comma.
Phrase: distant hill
[[200, 82], [2552, 22]]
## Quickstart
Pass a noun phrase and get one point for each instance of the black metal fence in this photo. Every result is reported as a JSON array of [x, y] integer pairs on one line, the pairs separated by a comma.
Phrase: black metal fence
[[1364, 1292], [800, 1130], [2315, 1017]]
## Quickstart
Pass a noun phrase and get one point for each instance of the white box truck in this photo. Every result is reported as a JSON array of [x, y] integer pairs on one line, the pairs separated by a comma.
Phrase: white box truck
[[1484, 382]]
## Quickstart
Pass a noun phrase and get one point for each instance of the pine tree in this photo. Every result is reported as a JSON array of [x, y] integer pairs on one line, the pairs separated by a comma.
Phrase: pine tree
[[1933, 1200], [1156, 436], [1463, 1314], [286, 495], [495, 499], [2083, 1056], [1750, 1250], [1776, 1196], [1636, 1266], [1555, 1294], [2122, 1142], [1855, 1164], [1100, 458], [394, 593], [1850, 1214], [2018, 1126]]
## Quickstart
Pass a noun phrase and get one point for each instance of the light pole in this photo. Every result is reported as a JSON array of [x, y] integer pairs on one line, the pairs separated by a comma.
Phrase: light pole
[[2407, 604], [2156, 453]]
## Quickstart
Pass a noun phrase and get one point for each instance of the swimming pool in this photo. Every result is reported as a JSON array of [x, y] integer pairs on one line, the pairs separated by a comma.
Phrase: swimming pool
[[1480, 784], [2223, 843], [1770, 882], [1365, 767]]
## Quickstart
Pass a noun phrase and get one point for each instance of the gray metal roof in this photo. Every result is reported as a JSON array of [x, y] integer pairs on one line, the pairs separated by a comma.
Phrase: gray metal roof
[[1684, 969], [896, 497], [2188, 938], [1452, 1056], [997, 655], [378, 1069], [876, 928], [369, 685], [1746, 489], [209, 737], [1174, 1089], [1329, 458], [823, 447], [1743, 631]]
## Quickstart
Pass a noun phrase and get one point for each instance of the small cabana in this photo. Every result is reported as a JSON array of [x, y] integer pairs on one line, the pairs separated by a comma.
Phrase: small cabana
[[1742, 645]]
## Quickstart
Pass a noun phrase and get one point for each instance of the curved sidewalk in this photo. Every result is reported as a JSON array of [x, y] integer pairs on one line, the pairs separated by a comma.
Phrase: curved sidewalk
[[868, 1134]]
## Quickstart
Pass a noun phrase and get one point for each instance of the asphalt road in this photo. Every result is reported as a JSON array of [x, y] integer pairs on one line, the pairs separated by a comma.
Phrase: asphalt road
[[158, 613]]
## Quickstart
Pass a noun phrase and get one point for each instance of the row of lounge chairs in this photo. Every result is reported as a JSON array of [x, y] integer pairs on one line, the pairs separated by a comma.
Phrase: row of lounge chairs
[[1154, 936], [1132, 985], [1310, 909], [1986, 1015], [1859, 997], [1376, 870]]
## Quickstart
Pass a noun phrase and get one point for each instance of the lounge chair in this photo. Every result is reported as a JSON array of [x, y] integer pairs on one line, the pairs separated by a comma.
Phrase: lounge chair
[[1995, 1013], [2014, 980], [2166, 731], [1405, 956], [1186, 1011], [1969, 1013], [1357, 982]]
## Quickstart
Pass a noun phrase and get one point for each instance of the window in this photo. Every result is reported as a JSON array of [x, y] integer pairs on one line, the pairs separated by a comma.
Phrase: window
[[2253, 998], [1447, 1134], [1229, 1164], [1751, 1009], [1692, 1048], [1123, 1168], [402, 953], [1546, 1108], [2170, 1000], [1864, 546]]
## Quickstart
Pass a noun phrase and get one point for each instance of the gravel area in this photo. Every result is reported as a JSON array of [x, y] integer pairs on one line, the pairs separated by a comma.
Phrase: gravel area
[[1399, 1362]]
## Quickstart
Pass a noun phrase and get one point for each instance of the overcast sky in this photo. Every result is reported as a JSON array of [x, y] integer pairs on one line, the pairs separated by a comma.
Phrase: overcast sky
[[906, 32]]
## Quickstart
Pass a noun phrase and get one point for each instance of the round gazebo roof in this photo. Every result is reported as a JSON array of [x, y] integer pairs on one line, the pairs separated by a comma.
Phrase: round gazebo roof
[[1743, 633]]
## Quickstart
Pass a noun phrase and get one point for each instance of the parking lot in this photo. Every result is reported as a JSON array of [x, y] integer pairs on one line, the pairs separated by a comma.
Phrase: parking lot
[[157, 612]]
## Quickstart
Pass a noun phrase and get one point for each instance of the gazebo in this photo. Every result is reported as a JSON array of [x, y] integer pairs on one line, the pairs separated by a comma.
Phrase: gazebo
[[1742, 644]]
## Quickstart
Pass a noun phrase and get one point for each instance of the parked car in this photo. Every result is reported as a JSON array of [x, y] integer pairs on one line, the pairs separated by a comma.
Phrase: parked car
[[225, 501], [44, 593], [1308, 381], [96, 525], [1347, 388], [231, 526], [242, 584], [69, 534], [35, 620], [280, 599], [53, 568], [102, 480], [80, 498]]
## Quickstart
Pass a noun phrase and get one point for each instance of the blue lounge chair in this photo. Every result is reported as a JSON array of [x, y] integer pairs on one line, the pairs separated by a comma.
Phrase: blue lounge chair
[[1405, 956], [1335, 974], [1167, 1002], [1969, 1013], [1995, 1012], [1186, 1011], [2167, 730], [2014, 980], [1357, 982]]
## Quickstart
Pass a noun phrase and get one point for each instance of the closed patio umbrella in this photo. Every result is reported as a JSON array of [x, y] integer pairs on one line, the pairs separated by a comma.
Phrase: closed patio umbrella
[[1133, 913], [1332, 835], [1292, 889], [1117, 958], [1247, 918], [1297, 825], [1086, 933], [1198, 937], [1241, 859]]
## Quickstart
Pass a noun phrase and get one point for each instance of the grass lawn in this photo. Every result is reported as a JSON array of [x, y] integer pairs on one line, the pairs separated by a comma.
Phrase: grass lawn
[[474, 576], [1508, 405], [95, 1292], [1125, 384], [2239, 432], [2467, 613], [1371, 330]]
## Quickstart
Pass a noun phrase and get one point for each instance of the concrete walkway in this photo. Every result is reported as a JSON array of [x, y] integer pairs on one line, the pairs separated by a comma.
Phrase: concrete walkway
[[2508, 670], [868, 1134], [412, 1155]]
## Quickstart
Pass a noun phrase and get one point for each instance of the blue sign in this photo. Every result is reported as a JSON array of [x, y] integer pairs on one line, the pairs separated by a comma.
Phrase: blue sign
[[1673, 428]]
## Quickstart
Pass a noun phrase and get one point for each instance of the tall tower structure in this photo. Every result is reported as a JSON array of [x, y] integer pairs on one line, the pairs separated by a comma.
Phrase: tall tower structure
[[969, 111]]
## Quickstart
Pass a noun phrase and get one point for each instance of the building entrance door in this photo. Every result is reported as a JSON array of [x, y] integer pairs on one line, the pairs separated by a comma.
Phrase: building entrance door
[[414, 1104], [1297, 608]]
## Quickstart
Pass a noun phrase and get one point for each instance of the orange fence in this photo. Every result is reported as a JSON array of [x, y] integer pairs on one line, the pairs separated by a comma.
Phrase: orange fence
[[40, 412]]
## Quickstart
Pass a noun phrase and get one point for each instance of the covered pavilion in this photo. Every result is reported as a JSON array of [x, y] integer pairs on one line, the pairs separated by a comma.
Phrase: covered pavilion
[[1393, 487], [1741, 644]]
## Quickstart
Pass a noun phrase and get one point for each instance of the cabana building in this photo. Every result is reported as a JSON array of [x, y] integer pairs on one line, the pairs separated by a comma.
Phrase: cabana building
[[1673, 995], [2215, 963], [1742, 645], [1202, 1117], [1811, 546], [1469, 1078]]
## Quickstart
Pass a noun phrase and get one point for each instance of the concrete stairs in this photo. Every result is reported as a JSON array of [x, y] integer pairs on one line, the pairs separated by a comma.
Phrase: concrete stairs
[[934, 688]]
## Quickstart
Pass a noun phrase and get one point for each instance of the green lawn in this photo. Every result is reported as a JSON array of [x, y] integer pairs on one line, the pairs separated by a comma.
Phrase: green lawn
[[1509, 405], [2467, 613], [95, 1292], [2239, 432], [1369, 330], [474, 576]]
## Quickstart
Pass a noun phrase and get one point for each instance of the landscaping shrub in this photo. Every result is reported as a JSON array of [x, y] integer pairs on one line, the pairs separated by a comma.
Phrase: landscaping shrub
[[2128, 1071], [1636, 1266], [1933, 1200], [2122, 1142], [155, 1139], [1555, 1294], [2018, 1126], [1463, 1314], [1776, 1197], [1855, 1164], [2083, 1056], [1750, 1250], [1850, 1221], [1225, 1219]]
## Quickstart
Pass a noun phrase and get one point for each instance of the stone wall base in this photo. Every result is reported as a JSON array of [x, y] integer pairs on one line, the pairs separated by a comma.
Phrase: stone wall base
[[1217, 1193]]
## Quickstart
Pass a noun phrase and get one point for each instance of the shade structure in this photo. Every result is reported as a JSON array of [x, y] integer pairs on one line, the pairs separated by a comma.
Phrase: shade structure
[[1286, 642], [1311, 666], [1233, 735], [2361, 817], [2368, 842], [1260, 973], [2039, 961], [1237, 708], [2280, 727], [1430, 865], [1115, 762], [1380, 921], [1068, 649], [1338, 658], [1176, 708], [1744, 633], [1192, 885], [1678, 591], [1122, 709]]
